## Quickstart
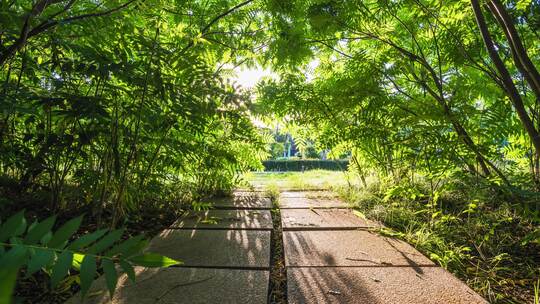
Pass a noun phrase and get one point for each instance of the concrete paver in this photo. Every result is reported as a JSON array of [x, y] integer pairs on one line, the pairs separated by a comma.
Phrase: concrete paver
[[348, 248], [307, 194], [322, 218], [231, 219], [377, 285], [183, 285], [326, 264], [215, 248], [240, 193], [241, 202], [293, 202]]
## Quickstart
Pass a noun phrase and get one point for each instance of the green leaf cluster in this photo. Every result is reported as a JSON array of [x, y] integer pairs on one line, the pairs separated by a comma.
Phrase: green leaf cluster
[[29, 248]]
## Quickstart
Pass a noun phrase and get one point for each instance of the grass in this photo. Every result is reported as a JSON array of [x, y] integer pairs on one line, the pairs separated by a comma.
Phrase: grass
[[307, 180]]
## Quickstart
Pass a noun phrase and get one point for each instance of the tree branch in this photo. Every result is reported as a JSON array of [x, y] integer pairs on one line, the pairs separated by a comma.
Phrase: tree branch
[[27, 33], [205, 29]]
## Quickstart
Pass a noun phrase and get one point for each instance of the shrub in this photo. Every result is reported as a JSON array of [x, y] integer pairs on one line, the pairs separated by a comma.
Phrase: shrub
[[305, 164]]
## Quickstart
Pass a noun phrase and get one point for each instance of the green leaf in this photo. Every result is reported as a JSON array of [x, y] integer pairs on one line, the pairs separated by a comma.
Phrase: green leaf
[[46, 238], [77, 260], [16, 257], [88, 272], [153, 260], [12, 226], [8, 279], [39, 230], [86, 240], [128, 269], [125, 246], [10, 264], [523, 4], [137, 249], [61, 267], [62, 235], [34, 223], [106, 242], [21, 229], [41, 258], [110, 275]]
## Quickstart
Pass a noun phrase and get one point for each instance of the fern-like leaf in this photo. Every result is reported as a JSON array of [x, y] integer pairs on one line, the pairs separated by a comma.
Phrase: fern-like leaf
[[38, 247]]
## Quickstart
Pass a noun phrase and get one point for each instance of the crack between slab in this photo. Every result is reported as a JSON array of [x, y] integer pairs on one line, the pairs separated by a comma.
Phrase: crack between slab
[[277, 285], [238, 208], [222, 267], [304, 190], [220, 228], [318, 207], [312, 228], [363, 266]]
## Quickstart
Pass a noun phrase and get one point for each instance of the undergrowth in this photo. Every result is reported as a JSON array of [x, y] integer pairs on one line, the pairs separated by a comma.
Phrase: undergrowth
[[488, 237], [161, 208]]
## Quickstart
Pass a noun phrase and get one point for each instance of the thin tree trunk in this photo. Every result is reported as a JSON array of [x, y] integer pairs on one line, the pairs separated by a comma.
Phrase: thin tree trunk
[[519, 53], [504, 74]]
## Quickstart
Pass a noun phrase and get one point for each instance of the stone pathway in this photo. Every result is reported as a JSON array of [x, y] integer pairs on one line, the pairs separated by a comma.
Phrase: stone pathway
[[331, 256]]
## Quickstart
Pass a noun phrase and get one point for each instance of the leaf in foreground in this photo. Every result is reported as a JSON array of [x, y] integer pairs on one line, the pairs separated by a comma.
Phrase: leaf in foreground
[[153, 260]]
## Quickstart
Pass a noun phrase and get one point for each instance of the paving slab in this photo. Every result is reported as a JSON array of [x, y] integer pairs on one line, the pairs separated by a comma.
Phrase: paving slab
[[215, 248], [254, 193], [308, 194], [241, 202], [377, 285], [323, 218], [348, 248], [183, 285], [229, 219], [305, 202]]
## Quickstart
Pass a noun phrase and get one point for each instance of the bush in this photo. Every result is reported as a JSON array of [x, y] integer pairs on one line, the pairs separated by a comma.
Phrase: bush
[[305, 164]]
